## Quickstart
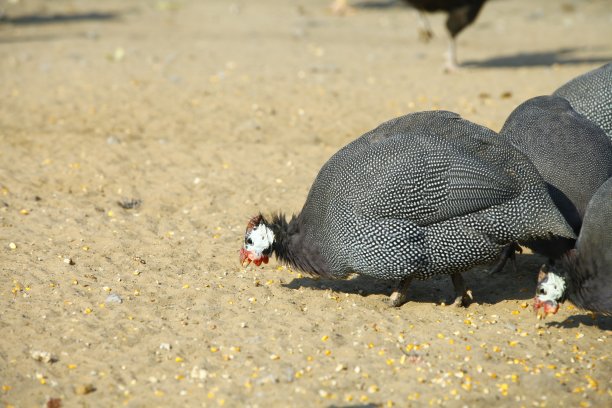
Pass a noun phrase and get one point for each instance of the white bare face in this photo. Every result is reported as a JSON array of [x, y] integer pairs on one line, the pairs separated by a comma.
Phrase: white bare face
[[551, 288], [258, 240]]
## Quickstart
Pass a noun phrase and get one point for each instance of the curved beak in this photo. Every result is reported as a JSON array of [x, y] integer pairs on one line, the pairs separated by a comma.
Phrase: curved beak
[[247, 257], [544, 308], [244, 257]]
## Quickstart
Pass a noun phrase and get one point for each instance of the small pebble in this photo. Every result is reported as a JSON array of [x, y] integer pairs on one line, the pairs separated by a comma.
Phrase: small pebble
[[111, 140], [113, 298], [68, 261], [198, 373], [12, 245], [54, 403], [165, 346], [129, 204], [43, 356], [84, 389]]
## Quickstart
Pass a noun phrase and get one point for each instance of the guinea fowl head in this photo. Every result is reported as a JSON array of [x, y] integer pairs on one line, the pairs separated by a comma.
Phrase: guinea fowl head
[[549, 293], [258, 242]]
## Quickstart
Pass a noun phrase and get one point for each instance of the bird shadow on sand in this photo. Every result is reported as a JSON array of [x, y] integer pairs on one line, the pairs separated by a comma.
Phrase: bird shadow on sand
[[38, 19], [373, 4], [27, 39], [563, 56], [355, 406], [486, 288], [574, 321]]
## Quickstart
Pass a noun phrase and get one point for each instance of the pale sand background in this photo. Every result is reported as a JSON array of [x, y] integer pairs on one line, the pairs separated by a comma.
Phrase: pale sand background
[[209, 111]]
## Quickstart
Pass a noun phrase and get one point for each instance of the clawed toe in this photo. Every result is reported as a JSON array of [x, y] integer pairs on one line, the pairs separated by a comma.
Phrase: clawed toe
[[464, 299], [400, 294], [397, 299]]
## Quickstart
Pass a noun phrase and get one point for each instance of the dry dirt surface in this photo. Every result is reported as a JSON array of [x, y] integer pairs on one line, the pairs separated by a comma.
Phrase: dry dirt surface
[[138, 137]]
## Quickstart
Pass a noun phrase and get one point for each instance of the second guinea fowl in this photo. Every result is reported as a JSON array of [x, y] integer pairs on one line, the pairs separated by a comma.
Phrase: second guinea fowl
[[572, 154], [424, 194], [591, 95]]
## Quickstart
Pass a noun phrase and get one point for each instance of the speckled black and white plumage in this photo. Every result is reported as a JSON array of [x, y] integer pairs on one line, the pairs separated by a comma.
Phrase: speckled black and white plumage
[[591, 95], [423, 194], [588, 272], [573, 155]]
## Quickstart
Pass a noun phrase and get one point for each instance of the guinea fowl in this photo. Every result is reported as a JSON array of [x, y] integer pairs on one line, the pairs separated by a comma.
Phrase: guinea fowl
[[461, 13], [423, 194], [584, 276], [572, 154], [591, 95]]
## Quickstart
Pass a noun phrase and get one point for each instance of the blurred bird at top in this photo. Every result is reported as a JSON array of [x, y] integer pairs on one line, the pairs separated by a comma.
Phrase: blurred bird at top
[[461, 13]]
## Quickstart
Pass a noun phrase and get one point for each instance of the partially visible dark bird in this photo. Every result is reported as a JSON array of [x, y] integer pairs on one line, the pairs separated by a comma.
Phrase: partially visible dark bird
[[423, 194], [573, 155], [584, 276], [591, 95], [461, 13]]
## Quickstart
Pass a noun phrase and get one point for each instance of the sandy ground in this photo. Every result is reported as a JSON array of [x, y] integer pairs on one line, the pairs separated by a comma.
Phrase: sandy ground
[[205, 112]]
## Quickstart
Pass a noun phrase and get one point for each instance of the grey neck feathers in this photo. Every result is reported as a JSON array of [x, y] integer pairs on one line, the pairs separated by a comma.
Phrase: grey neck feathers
[[293, 248]]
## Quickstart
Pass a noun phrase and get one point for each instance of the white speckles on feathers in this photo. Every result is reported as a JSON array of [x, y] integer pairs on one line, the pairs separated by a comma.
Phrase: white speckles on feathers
[[423, 194], [591, 95], [557, 140]]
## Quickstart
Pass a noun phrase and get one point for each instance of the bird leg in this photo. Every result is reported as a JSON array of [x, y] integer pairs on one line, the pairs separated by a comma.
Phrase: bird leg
[[400, 294], [507, 253], [463, 296], [425, 33], [341, 7], [451, 64]]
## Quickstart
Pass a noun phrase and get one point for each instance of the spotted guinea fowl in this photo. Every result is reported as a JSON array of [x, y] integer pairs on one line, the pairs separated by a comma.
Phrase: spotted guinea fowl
[[591, 95], [423, 194], [572, 154], [584, 276]]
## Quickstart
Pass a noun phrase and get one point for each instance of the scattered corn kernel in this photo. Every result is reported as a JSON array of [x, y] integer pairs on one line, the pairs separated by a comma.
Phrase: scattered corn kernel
[[592, 384]]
